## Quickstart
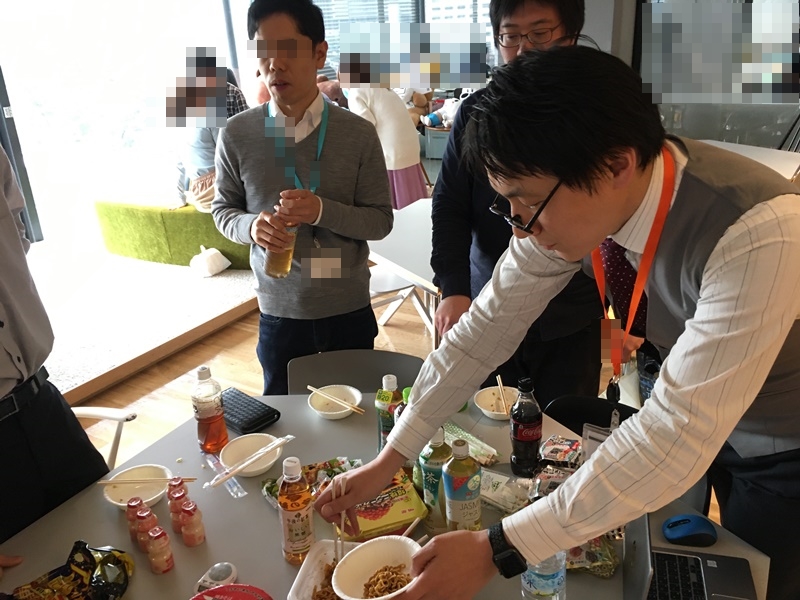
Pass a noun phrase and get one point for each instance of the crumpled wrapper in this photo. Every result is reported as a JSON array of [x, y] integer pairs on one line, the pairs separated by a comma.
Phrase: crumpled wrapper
[[89, 574]]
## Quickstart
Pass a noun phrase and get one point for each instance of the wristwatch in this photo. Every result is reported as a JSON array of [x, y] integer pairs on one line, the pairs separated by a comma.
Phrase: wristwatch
[[506, 558]]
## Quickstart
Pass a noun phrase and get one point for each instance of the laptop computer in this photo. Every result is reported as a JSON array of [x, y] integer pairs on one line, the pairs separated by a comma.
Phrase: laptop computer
[[675, 573]]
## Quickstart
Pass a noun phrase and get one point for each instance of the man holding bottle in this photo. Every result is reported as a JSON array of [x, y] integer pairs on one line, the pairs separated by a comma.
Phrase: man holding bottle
[[724, 315], [299, 162]]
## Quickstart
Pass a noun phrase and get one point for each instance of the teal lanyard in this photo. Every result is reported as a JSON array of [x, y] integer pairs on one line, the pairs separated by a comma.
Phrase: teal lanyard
[[314, 171]]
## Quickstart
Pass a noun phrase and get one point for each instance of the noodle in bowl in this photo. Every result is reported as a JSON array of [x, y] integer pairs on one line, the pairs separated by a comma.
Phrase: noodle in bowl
[[372, 559]]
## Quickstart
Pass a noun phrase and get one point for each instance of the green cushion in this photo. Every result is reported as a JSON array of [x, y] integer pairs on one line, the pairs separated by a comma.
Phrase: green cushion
[[171, 236]]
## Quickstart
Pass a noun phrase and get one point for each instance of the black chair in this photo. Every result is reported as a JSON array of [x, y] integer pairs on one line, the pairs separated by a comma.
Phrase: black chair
[[362, 369], [573, 411]]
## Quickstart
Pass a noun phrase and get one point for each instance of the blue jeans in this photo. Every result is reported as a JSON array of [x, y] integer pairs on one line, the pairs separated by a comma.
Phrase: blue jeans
[[281, 339]]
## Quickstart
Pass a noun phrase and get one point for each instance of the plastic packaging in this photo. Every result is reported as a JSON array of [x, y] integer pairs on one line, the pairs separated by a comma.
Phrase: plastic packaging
[[193, 531], [462, 488], [159, 551]]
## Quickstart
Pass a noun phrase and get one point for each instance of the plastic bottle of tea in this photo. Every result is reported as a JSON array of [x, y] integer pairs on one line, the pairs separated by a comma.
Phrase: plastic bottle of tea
[[212, 434], [296, 513], [462, 489], [432, 460]]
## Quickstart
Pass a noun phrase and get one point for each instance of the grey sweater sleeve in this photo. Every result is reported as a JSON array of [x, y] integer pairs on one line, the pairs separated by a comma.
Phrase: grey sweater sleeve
[[370, 217], [229, 207]]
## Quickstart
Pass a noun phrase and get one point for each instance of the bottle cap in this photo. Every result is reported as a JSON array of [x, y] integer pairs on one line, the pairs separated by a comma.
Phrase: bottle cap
[[525, 384], [438, 437], [203, 373], [188, 507], [175, 482], [177, 494], [157, 532], [144, 513], [460, 449], [390, 382], [136, 503], [291, 466], [406, 394]]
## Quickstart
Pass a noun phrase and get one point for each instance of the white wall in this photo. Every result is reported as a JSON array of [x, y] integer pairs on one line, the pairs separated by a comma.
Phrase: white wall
[[611, 24]]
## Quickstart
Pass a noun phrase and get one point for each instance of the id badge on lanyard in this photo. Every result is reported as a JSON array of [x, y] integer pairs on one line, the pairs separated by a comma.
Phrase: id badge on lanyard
[[616, 336]]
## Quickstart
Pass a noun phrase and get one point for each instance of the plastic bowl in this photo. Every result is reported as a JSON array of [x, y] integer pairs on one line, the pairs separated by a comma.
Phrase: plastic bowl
[[327, 409], [243, 446], [489, 402], [151, 493], [362, 562]]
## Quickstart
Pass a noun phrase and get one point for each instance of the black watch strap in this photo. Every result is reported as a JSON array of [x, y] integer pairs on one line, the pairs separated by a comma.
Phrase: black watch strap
[[506, 558]]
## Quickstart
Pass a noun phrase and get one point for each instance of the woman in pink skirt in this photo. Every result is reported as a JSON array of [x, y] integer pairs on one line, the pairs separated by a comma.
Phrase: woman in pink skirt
[[399, 138]]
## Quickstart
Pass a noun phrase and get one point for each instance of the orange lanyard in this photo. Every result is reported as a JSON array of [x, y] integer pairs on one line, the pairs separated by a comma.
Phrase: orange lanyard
[[667, 190]]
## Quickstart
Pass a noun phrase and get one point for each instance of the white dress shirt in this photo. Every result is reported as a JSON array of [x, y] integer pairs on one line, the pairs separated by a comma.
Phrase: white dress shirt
[[310, 121], [749, 299], [26, 337]]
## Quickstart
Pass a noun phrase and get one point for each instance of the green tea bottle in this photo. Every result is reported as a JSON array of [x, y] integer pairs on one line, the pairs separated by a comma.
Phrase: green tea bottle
[[462, 489], [431, 461]]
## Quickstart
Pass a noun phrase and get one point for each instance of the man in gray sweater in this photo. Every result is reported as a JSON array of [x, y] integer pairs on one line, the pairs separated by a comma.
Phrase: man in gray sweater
[[301, 163]]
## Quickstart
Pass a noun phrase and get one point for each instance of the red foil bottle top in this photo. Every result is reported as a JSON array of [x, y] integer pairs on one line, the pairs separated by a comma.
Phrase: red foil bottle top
[[157, 532]]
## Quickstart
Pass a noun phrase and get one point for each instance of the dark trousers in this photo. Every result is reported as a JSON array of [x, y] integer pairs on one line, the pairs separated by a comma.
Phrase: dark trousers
[[280, 340], [759, 500], [565, 366], [46, 459]]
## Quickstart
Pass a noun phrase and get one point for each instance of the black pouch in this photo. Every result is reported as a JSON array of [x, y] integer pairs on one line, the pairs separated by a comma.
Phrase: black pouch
[[244, 414]]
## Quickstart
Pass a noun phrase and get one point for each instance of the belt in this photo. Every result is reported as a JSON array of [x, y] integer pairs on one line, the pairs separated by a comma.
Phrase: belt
[[22, 394]]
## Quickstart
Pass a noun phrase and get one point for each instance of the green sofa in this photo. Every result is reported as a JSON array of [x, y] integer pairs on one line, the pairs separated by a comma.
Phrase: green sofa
[[163, 235]]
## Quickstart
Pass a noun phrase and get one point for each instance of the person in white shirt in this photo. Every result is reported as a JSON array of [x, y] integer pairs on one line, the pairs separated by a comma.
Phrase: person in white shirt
[[570, 139], [383, 108]]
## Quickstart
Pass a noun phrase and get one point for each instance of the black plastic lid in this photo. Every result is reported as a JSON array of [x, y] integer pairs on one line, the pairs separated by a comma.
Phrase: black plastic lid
[[525, 384]]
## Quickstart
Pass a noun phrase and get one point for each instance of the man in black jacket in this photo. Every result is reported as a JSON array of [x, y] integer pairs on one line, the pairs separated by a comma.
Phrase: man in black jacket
[[561, 351]]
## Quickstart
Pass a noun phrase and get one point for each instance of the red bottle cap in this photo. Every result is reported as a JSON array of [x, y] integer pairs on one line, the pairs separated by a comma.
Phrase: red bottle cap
[[135, 502], [175, 482], [189, 507], [177, 494], [144, 513], [157, 532]]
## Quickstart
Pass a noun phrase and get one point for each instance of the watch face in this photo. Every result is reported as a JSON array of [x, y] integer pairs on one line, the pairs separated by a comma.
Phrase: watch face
[[510, 563]]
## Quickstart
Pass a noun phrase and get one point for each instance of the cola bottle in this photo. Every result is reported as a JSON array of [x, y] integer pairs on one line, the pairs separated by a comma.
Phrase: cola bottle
[[526, 430]]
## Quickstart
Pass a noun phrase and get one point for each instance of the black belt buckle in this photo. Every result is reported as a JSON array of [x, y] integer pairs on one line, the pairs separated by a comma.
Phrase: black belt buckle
[[8, 406]]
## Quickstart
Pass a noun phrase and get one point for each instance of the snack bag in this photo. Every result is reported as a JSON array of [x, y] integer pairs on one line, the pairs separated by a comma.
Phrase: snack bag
[[89, 574], [394, 509], [316, 475], [597, 556], [560, 452], [505, 492]]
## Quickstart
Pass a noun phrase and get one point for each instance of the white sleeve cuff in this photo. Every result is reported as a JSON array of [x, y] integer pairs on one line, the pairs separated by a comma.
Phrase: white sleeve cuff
[[320, 211]]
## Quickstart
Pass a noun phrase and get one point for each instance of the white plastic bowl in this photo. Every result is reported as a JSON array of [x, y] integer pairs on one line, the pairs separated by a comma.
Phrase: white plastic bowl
[[243, 446], [362, 562], [489, 402], [151, 493], [327, 409]]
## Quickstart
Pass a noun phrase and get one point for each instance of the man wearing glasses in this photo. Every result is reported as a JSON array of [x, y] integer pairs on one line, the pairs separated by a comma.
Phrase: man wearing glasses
[[716, 237], [561, 351]]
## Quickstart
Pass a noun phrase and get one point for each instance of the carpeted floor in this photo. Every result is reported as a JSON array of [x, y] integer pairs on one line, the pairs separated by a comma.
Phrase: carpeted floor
[[106, 310]]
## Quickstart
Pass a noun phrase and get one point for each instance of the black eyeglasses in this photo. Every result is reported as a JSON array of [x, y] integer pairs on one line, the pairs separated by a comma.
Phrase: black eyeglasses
[[536, 37], [514, 220]]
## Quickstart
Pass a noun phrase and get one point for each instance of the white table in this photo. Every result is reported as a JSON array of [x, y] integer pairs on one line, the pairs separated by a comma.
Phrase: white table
[[246, 531], [406, 252]]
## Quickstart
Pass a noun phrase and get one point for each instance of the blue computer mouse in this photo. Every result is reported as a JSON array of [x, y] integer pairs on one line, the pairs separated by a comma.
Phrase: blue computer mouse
[[689, 530]]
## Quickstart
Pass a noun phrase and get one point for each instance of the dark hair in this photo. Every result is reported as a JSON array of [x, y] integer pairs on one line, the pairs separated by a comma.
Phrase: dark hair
[[564, 112], [572, 13], [356, 66], [307, 16]]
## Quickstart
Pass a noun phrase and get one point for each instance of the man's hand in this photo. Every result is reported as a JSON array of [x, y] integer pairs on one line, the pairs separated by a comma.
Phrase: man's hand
[[436, 577], [8, 561], [269, 232], [298, 206], [361, 484], [632, 344], [450, 311]]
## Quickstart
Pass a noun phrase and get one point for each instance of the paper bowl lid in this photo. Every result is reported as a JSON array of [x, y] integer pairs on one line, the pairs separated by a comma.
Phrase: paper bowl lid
[[233, 591]]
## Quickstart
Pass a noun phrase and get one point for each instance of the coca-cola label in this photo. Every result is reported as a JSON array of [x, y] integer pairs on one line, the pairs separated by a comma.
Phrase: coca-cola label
[[526, 432]]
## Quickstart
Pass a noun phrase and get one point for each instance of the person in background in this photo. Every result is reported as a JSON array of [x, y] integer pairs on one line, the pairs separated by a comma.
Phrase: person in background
[[200, 97], [561, 351], [716, 237], [47, 457], [383, 108], [315, 165]]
